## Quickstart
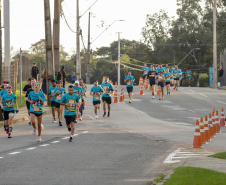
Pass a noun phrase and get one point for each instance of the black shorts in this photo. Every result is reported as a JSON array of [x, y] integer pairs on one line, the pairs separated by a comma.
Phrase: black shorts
[[107, 99], [176, 78], [37, 115], [152, 83], [161, 84], [96, 102], [6, 114], [129, 89], [53, 103], [144, 76], [167, 83], [70, 119], [57, 105], [28, 105]]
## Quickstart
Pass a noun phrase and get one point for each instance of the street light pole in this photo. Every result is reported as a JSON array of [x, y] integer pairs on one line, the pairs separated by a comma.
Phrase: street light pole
[[20, 75], [118, 58], [88, 53], [78, 63], [214, 45]]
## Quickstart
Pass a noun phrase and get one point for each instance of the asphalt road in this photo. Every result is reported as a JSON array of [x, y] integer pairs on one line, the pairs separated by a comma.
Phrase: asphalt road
[[127, 148]]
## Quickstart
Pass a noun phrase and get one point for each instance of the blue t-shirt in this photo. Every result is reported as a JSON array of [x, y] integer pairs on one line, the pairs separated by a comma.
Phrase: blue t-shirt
[[79, 91], [106, 88], [9, 102], [36, 107], [145, 72], [51, 90], [73, 77], [2, 92], [59, 95], [170, 70], [129, 81], [96, 92], [72, 100], [188, 73], [176, 73], [167, 77], [160, 69]]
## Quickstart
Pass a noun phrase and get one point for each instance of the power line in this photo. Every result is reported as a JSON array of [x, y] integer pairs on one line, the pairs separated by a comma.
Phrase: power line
[[67, 22]]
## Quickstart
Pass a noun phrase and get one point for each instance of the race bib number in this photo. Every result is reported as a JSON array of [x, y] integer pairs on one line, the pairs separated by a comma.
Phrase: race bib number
[[96, 96], [36, 106], [176, 74], [129, 82], [9, 103], [145, 72], [59, 98], [106, 90], [72, 105], [167, 78]]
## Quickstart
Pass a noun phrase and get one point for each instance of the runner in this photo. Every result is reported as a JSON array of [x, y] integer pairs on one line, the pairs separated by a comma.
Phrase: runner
[[79, 91], [152, 77], [176, 74], [188, 73], [167, 67], [145, 71], [70, 100], [161, 85], [83, 96], [51, 90], [129, 80], [9, 102], [167, 76], [28, 86], [96, 92], [36, 99], [58, 93], [106, 97], [2, 92], [160, 68]]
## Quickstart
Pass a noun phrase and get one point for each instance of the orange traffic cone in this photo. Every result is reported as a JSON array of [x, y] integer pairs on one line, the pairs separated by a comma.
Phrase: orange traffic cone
[[214, 123], [146, 83], [121, 97], [206, 129], [210, 126], [141, 90], [217, 122], [202, 132], [222, 120], [197, 142], [141, 81], [123, 94], [115, 97]]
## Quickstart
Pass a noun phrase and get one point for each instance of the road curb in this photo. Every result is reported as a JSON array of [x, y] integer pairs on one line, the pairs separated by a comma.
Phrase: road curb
[[25, 118]]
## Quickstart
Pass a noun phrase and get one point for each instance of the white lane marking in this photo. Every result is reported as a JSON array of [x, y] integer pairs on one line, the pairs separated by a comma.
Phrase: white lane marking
[[191, 111], [221, 102], [65, 137], [14, 153], [91, 117], [84, 132], [191, 90], [45, 145], [1, 157], [169, 158], [31, 148], [55, 142], [75, 135], [203, 95]]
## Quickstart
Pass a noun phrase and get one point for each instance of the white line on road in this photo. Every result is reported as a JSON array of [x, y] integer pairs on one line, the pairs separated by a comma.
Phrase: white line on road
[[1, 157], [45, 145], [65, 137], [55, 142], [31, 148], [91, 117], [221, 102], [84, 132], [14, 153], [169, 158], [191, 90], [75, 135], [203, 95]]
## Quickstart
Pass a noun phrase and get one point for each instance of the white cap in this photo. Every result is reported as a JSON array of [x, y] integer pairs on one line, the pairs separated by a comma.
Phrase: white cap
[[76, 82]]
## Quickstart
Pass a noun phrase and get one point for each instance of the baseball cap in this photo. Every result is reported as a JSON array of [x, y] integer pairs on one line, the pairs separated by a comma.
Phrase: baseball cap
[[9, 86], [76, 82], [6, 82]]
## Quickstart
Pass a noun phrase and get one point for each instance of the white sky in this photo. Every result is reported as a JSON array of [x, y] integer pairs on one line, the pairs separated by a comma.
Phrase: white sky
[[27, 20]]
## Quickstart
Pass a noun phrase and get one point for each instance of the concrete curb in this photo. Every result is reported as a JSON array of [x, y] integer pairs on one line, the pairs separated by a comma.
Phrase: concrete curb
[[25, 118]]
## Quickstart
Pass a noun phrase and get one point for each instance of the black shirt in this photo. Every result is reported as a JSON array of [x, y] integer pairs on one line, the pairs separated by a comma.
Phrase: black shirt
[[221, 72], [151, 75], [26, 87], [63, 73], [34, 71]]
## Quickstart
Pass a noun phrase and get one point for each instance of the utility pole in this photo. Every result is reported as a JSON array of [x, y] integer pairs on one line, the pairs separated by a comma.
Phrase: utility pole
[[88, 53], [119, 58], [0, 42], [7, 36], [78, 62], [49, 46], [214, 45], [20, 75], [56, 34]]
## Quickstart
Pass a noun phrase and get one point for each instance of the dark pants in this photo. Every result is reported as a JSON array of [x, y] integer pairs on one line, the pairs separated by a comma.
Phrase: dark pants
[[64, 82], [221, 81]]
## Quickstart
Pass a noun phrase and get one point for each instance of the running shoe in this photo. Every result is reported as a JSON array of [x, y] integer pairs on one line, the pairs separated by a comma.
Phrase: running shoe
[[7, 131], [71, 139], [69, 129], [39, 139], [42, 126], [29, 123], [131, 100], [9, 136], [176, 89], [80, 118], [96, 116], [60, 124], [153, 97], [34, 131], [54, 120], [104, 114], [76, 121]]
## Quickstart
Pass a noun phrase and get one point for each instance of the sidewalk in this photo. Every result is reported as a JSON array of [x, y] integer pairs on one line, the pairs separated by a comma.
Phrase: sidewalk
[[23, 115]]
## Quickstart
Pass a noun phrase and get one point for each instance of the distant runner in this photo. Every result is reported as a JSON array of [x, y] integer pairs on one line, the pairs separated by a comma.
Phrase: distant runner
[[167, 76], [188, 74], [53, 99], [152, 77], [129, 80], [176, 74], [161, 80]]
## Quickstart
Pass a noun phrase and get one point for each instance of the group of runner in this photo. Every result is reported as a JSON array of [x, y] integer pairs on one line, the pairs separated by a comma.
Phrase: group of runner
[[164, 76]]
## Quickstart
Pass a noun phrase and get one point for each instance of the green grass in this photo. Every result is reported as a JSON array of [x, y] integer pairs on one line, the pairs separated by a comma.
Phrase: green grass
[[196, 176], [221, 155], [23, 102]]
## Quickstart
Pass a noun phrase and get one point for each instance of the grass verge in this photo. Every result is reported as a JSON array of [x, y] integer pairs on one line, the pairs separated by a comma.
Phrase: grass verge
[[196, 176], [23, 102], [221, 155]]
